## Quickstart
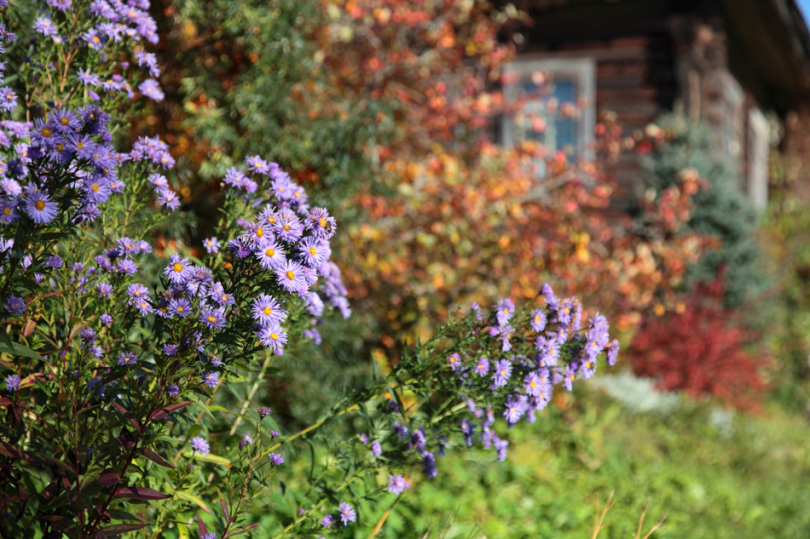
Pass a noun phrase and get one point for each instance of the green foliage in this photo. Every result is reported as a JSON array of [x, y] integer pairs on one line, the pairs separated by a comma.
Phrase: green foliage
[[721, 209], [740, 478]]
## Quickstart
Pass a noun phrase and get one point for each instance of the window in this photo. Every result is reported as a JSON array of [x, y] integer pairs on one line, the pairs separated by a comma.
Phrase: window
[[567, 127]]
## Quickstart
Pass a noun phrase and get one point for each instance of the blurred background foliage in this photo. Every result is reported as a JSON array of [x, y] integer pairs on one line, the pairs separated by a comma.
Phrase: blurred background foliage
[[384, 110]]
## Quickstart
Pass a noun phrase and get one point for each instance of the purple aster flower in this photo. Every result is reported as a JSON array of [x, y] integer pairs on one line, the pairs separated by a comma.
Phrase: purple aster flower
[[588, 367], [397, 484], [44, 26], [94, 39], [39, 207], [151, 89], [127, 267], [61, 5], [173, 390], [211, 379], [213, 318], [549, 351], [65, 120], [538, 320], [88, 336], [400, 429], [569, 377], [136, 291], [513, 410], [467, 429], [104, 289], [257, 164], [264, 411], [106, 319], [169, 199], [321, 224], [125, 359], [246, 440], [143, 306], [211, 535], [89, 78], [500, 447], [180, 307], [10, 187], [503, 311], [454, 360], [505, 333], [429, 464], [291, 277], [276, 459], [211, 245], [178, 270], [347, 513], [14, 304], [8, 99], [502, 372], [200, 445], [376, 448], [287, 226], [313, 251], [327, 521], [363, 438], [7, 211], [272, 336], [612, 352], [170, 349], [270, 253], [54, 262], [551, 299], [566, 312], [13, 383], [267, 311]]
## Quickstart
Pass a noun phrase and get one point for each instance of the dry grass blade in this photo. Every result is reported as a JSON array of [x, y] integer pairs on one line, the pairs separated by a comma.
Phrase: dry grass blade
[[641, 523], [599, 518], [383, 518]]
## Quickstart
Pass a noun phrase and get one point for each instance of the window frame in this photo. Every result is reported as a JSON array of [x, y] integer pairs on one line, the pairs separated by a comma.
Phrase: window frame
[[582, 68]]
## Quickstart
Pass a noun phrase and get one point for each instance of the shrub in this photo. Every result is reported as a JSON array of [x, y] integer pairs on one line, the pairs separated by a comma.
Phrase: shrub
[[700, 351]]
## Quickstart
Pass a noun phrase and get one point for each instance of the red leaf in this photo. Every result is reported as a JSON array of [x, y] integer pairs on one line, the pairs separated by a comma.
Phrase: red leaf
[[108, 479], [160, 413], [202, 529], [123, 411], [154, 457], [139, 493]]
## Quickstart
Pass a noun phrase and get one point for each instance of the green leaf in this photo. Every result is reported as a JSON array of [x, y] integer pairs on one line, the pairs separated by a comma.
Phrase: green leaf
[[193, 499], [213, 459], [16, 349]]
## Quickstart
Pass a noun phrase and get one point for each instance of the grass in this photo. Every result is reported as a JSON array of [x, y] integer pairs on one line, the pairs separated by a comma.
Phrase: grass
[[714, 475]]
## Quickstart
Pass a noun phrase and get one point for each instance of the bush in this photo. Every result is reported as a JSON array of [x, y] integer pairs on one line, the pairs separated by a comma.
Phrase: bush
[[700, 351], [720, 210]]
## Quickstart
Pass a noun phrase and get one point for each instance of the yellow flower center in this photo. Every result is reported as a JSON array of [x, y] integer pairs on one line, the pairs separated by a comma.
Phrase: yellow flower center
[[274, 336], [6, 211], [270, 252], [64, 121], [290, 275], [312, 251], [260, 232], [286, 227], [180, 309], [45, 132], [95, 187], [267, 311], [79, 145], [297, 194], [533, 383], [212, 319], [95, 39], [39, 205], [503, 371], [271, 220], [537, 318], [178, 267], [322, 222]]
